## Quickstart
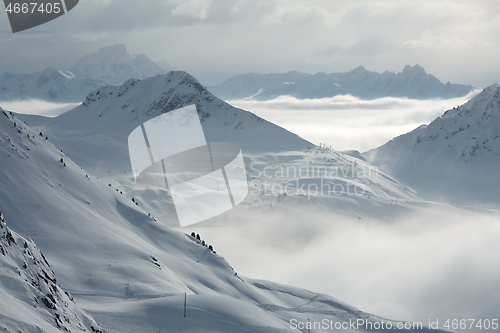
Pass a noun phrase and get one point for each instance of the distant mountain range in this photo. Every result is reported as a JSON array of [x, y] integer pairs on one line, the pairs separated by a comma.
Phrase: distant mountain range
[[110, 65], [49, 85], [113, 65], [412, 82], [455, 157]]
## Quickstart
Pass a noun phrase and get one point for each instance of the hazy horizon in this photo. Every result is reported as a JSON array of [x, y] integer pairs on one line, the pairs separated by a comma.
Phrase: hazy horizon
[[216, 39]]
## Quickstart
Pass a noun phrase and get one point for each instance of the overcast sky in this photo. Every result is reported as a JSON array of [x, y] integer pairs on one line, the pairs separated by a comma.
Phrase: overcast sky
[[213, 39]]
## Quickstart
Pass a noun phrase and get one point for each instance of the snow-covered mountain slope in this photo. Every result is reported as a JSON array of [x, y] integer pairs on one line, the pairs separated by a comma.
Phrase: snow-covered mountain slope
[[114, 111], [114, 65], [125, 267], [31, 298], [412, 82], [456, 157], [95, 135], [110, 65], [51, 85]]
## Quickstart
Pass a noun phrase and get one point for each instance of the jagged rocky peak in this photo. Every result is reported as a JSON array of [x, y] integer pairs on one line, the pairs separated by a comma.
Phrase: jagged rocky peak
[[413, 70], [412, 82], [455, 157], [183, 78], [51, 71], [33, 285], [111, 65], [50, 75], [493, 86], [114, 65], [485, 103], [2, 218], [468, 131], [358, 69], [174, 85]]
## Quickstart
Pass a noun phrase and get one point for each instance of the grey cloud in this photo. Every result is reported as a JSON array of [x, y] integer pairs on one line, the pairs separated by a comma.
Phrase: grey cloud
[[328, 52], [367, 47], [456, 41], [426, 265], [363, 48]]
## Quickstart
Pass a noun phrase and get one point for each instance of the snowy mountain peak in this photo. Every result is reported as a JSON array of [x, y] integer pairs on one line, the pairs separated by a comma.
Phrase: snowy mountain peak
[[110, 65], [360, 68], [125, 107], [458, 152], [114, 65], [50, 76], [180, 78], [485, 104], [164, 93], [493, 86]]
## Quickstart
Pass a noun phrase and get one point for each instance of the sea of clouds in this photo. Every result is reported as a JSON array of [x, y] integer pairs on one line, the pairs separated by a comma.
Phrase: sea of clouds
[[430, 263], [348, 123]]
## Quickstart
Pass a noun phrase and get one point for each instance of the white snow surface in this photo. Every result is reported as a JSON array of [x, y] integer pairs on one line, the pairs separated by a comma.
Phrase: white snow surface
[[454, 158], [412, 82], [124, 267], [32, 301]]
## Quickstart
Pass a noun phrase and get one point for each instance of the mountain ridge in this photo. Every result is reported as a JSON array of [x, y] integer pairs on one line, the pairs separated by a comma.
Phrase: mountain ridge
[[139, 100], [456, 155], [109, 65], [114, 65], [412, 82]]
